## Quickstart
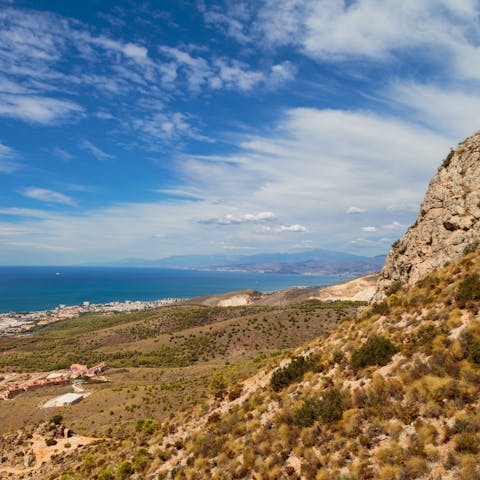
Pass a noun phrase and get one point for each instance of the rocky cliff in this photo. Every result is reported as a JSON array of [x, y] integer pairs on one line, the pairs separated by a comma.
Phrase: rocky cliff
[[447, 225]]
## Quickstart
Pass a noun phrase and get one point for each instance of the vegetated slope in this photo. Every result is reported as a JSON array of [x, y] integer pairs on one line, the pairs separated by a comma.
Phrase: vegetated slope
[[449, 220], [391, 394], [160, 362], [394, 394]]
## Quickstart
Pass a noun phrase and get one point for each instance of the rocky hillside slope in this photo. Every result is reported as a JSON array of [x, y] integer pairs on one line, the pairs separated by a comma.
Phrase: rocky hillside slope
[[359, 289], [448, 223], [392, 394]]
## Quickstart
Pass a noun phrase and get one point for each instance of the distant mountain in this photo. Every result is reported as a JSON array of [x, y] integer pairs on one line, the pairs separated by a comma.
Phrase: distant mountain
[[321, 262]]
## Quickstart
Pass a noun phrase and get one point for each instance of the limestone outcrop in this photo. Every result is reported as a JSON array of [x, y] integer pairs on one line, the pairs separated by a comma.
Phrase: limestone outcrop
[[447, 225]]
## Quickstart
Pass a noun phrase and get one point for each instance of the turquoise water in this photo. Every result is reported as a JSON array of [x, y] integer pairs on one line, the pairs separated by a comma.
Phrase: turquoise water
[[40, 288]]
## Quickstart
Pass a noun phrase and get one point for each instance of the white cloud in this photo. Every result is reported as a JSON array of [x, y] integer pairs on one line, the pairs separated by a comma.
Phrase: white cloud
[[281, 73], [232, 23], [62, 154], [404, 207], [25, 212], [49, 196], [354, 210], [364, 157], [219, 73], [394, 226], [161, 126], [375, 29], [449, 110], [369, 229], [441, 32], [38, 109], [8, 159], [135, 51], [94, 150], [230, 219], [238, 247], [292, 228]]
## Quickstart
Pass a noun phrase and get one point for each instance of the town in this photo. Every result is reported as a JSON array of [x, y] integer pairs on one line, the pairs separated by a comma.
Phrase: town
[[13, 384], [20, 323]]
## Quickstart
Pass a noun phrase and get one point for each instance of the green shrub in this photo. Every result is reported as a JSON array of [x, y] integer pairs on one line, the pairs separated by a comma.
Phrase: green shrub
[[88, 462], [474, 352], [393, 288], [106, 475], [50, 442], [377, 350], [147, 426], [469, 289], [125, 469], [466, 443], [141, 459], [380, 308], [293, 372], [329, 409], [218, 384], [57, 419]]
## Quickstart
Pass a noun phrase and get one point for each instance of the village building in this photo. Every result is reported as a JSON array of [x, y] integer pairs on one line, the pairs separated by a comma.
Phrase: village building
[[63, 400]]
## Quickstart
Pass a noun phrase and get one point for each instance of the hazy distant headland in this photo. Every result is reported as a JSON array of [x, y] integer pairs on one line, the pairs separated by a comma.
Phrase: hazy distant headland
[[313, 262]]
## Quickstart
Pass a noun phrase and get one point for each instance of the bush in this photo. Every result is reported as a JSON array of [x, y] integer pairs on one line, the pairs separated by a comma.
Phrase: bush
[[474, 352], [50, 442], [306, 415], [218, 384], [106, 475], [141, 459], [466, 443], [380, 308], [293, 372], [469, 289], [125, 469], [88, 462], [57, 419], [377, 350], [471, 248], [393, 288], [329, 409], [146, 425]]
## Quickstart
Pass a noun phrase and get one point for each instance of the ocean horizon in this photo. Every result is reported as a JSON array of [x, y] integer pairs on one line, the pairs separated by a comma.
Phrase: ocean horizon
[[27, 289]]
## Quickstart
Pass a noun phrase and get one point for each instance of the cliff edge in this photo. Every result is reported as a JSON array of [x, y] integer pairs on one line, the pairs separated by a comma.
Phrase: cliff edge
[[448, 223]]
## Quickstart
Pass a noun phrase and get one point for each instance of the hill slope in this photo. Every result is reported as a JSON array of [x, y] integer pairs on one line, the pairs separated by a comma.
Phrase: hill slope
[[448, 222], [394, 394], [391, 394]]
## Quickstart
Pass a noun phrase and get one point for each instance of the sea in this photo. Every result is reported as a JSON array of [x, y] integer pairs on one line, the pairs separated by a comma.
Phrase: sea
[[28, 289]]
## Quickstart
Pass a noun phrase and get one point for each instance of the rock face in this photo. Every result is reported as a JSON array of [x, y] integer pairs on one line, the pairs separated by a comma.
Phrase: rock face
[[449, 221]]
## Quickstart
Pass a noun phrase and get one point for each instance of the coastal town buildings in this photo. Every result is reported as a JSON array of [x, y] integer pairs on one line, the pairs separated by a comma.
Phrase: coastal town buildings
[[10, 386], [19, 323]]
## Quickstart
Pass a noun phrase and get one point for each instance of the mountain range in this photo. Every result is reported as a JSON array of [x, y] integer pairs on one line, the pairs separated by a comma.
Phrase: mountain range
[[318, 261]]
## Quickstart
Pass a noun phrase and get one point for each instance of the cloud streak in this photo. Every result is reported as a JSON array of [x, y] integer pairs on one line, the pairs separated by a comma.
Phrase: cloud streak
[[94, 150], [48, 196], [8, 160], [230, 219]]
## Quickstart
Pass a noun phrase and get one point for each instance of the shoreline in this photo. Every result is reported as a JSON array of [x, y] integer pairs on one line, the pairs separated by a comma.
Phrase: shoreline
[[18, 323]]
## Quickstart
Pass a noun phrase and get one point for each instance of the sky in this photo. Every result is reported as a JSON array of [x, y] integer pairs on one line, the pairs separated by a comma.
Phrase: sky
[[134, 129]]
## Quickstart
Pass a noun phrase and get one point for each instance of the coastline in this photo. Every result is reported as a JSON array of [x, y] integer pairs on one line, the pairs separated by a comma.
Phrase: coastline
[[19, 323]]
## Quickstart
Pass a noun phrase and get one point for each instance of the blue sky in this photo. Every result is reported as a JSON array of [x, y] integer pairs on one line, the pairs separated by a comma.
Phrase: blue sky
[[132, 129]]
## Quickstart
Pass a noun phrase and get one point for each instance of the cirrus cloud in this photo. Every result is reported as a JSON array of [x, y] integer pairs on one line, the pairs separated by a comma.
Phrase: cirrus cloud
[[48, 196]]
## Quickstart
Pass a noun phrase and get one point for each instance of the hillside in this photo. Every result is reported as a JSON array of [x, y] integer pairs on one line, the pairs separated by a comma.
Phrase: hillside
[[162, 362], [391, 394], [404, 407]]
